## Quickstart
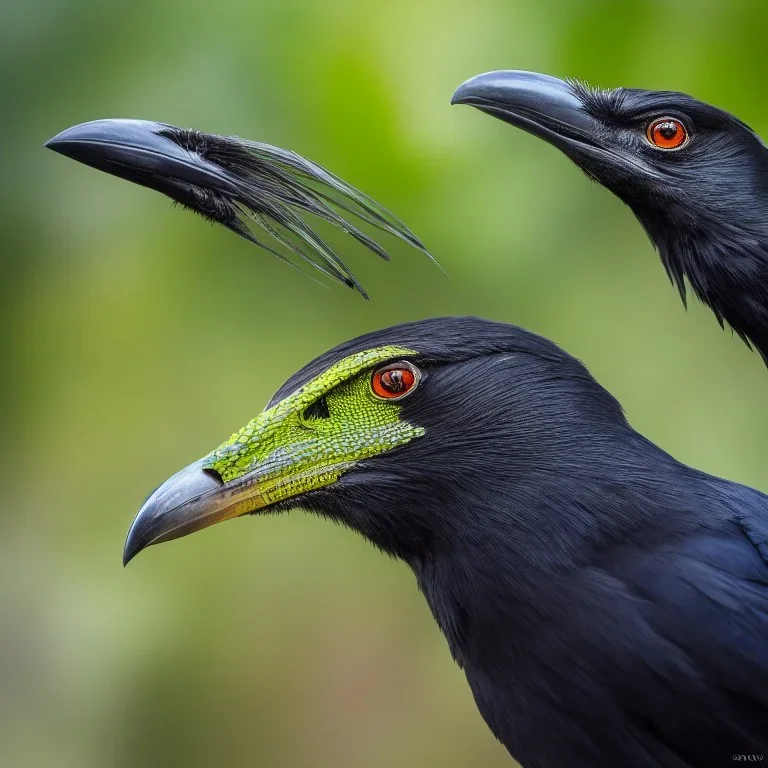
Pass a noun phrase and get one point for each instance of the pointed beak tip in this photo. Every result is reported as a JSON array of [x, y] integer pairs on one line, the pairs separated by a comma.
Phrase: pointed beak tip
[[468, 89], [136, 539], [128, 556], [55, 142], [131, 549], [186, 502]]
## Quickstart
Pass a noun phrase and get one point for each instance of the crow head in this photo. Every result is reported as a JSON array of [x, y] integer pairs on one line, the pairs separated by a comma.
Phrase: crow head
[[694, 175]]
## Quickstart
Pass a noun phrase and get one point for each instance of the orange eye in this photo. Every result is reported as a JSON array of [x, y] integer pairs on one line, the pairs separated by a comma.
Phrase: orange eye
[[667, 133], [394, 381]]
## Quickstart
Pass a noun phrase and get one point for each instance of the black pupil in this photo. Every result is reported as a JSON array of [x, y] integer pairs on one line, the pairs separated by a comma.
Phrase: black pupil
[[393, 381], [668, 130]]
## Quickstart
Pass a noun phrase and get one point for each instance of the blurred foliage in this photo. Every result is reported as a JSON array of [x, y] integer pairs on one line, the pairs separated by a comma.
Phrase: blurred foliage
[[136, 338]]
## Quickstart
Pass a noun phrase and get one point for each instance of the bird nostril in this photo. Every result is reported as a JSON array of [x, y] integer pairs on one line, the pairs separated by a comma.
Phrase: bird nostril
[[214, 473], [317, 410]]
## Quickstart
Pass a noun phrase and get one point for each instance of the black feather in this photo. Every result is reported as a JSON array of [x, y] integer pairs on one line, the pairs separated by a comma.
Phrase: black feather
[[608, 604], [273, 188], [703, 202], [703, 206]]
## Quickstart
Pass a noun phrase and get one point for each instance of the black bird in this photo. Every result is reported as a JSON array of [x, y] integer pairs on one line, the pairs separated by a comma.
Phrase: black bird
[[236, 183], [694, 175], [608, 604]]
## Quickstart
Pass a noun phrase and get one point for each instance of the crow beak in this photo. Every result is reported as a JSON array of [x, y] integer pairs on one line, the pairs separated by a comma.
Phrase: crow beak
[[139, 151], [191, 500], [539, 104]]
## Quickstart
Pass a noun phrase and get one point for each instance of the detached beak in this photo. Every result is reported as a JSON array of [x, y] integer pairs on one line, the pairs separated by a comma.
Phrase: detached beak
[[190, 500], [138, 151], [539, 104]]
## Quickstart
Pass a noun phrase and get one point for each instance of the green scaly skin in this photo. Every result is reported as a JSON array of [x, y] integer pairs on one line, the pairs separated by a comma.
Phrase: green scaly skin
[[286, 453]]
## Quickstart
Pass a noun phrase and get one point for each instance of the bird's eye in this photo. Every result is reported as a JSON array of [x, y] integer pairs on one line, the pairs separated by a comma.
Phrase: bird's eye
[[395, 381], [667, 133]]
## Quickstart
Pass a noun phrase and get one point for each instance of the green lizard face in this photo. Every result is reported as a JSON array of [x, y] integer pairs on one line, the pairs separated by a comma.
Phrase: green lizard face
[[303, 442]]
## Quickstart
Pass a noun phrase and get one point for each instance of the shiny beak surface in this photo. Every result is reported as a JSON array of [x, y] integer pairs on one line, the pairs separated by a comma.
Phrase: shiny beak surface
[[192, 499], [539, 104], [139, 151]]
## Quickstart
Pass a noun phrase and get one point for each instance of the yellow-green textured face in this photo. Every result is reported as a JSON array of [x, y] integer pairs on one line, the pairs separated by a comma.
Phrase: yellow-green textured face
[[295, 447]]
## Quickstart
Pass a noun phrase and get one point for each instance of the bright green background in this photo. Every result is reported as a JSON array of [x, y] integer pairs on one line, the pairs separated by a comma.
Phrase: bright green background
[[137, 338]]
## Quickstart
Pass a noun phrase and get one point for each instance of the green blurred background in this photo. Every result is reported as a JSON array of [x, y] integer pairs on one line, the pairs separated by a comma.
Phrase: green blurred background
[[136, 338]]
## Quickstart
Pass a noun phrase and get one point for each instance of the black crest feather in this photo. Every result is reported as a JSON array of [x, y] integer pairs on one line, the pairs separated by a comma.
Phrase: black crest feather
[[273, 188], [242, 185]]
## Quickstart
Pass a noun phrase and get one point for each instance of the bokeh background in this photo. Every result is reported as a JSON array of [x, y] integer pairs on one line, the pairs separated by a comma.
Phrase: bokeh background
[[136, 338]]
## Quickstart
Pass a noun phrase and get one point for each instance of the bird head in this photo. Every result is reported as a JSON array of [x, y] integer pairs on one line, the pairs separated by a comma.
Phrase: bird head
[[674, 160], [695, 176], [402, 434], [238, 184]]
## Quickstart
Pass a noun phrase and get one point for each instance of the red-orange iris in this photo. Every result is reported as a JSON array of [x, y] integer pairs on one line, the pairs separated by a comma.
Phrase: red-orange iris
[[667, 133], [393, 382]]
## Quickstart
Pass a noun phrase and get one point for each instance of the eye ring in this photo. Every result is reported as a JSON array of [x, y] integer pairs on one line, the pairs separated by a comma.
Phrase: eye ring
[[667, 133], [395, 381]]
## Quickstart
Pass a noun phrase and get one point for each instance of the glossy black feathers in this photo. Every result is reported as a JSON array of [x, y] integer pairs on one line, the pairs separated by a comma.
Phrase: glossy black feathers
[[608, 604], [274, 188], [703, 202], [242, 185], [704, 206]]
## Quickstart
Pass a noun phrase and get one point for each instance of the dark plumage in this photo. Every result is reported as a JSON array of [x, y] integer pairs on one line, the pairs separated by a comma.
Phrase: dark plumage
[[703, 204], [237, 183], [608, 604]]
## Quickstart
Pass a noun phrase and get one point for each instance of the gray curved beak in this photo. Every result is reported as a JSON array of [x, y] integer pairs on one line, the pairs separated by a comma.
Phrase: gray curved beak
[[139, 151], [190, 500], [539, 104]]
